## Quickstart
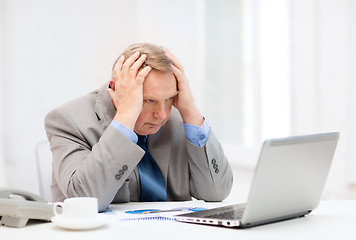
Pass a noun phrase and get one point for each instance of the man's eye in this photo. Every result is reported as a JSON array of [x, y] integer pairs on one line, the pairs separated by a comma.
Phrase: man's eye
[[149, 100]]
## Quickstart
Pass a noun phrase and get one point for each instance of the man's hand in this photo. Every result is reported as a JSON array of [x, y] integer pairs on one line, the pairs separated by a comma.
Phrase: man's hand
[[126, 88], [184, 100]]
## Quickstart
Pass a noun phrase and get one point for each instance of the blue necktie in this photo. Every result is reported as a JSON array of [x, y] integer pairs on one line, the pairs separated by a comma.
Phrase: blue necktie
[[153, 187]]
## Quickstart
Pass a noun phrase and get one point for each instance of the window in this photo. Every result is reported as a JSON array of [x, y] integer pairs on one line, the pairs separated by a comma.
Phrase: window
[[246, 81]]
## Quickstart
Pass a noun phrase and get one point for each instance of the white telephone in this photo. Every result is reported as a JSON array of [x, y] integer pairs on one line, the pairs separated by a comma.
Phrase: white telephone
[[18, 206]]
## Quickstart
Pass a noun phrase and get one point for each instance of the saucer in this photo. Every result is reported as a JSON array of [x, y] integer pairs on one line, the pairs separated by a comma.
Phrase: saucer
[[63, 222]]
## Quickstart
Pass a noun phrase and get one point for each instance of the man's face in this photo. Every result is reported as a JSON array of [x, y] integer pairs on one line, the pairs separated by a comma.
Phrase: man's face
[[159, 88]]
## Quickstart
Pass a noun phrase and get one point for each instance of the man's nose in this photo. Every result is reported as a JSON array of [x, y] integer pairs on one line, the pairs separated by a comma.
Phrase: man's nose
[[160, 112]]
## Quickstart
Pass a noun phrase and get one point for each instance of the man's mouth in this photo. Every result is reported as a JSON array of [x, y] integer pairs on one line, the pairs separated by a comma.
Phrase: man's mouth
[[154, 124]]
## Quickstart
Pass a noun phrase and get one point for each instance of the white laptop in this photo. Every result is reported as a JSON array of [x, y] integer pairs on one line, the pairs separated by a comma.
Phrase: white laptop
[[288, 183]]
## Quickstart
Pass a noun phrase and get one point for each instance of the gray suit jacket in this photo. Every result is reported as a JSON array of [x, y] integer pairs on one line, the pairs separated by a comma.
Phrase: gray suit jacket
[[91, 158]]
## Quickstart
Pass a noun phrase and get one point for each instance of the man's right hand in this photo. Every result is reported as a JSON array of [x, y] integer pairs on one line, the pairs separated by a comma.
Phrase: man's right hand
[[126, 88]]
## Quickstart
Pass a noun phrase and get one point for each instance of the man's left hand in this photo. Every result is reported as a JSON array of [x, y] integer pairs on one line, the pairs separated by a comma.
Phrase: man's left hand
[[184, 100]]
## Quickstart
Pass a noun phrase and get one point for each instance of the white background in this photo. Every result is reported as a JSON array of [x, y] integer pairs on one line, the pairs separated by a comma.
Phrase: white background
[[258, 68]]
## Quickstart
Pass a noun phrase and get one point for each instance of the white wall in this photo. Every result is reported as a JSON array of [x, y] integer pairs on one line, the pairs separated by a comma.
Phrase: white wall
[[353, 86], [2, 159]]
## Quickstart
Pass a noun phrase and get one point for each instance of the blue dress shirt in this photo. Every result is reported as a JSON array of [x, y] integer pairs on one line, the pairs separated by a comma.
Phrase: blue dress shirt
[[196, 135]]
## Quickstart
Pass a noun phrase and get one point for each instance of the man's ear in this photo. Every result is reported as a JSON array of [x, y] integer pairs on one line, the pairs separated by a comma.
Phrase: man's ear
[[112, 84]]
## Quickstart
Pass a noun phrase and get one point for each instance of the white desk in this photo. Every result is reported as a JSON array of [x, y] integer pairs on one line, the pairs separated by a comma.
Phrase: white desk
[[331, 220]]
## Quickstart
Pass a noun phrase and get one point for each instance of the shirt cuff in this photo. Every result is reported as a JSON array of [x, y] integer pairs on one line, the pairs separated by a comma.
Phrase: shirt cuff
[[197, 135], [127, 132]]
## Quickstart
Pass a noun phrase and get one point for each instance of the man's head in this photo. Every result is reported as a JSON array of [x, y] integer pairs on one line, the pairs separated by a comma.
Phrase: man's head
[[156, 57], [159, 88]]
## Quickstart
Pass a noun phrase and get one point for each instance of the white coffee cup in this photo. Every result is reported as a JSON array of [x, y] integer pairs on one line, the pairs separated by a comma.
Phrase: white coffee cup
[[77, 208]]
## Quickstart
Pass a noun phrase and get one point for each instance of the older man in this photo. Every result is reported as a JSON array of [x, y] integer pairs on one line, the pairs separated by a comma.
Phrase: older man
[[124, 142]]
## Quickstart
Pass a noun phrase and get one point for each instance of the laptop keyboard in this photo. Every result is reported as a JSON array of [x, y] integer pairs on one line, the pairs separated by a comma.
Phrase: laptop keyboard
[[231, 214]]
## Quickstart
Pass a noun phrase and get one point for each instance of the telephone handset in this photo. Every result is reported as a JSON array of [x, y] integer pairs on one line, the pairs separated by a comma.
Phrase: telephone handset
[[18, 206]]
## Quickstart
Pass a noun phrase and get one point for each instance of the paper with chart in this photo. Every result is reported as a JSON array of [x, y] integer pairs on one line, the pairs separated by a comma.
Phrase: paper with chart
[[154, 211]]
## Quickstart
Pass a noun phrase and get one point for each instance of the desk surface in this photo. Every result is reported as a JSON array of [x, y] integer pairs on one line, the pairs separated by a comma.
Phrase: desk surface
[[331, 220]]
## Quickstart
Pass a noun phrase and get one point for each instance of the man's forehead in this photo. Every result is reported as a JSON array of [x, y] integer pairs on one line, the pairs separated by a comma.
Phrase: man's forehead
[[159, 85], [155, 97]]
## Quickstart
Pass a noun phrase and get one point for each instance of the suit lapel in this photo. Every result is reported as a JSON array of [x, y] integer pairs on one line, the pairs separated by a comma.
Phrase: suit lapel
[[104, 108]]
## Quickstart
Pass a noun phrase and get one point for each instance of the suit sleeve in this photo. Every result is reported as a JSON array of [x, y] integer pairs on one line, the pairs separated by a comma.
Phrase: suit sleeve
[[81, 168], [210, 172]]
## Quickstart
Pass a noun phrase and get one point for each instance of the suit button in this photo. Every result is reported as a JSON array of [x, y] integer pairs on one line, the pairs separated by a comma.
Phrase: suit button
[[216, 170], [117, 176], [215, 166], [121, 172], [213, 161], [124, 167]]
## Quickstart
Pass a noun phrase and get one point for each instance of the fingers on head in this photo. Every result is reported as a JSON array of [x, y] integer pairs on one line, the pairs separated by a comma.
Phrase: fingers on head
[[143, 73], [119, 63], [130, 61], [174, 59], [176, 70], [138, 63]]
